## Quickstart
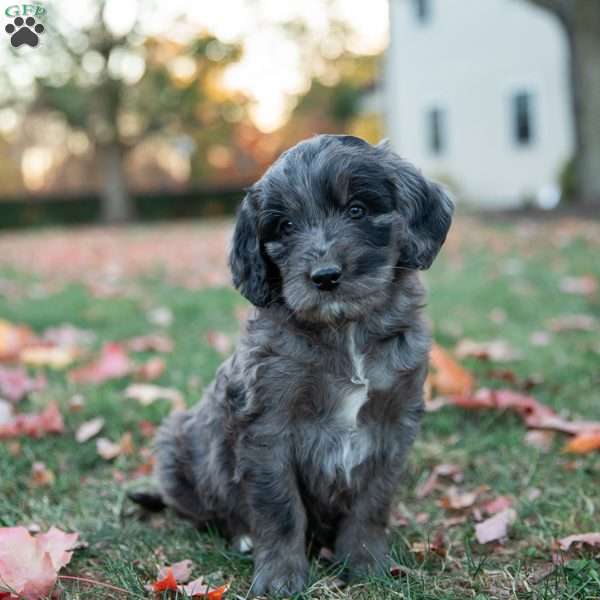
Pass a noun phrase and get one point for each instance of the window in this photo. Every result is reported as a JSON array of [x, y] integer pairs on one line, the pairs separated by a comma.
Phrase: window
[[422, 10], [436, 131], [522, 116]]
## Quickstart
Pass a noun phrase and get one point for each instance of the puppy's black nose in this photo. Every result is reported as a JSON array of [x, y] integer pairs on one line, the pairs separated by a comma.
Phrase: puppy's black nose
[[326, 278]]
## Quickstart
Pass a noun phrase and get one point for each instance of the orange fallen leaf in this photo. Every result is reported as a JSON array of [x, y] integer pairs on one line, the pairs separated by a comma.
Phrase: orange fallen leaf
[[167, 582], [448, 376], [457, 500], [454, 472], [41, 476], [13, 338], [584, 443], [199, 589]]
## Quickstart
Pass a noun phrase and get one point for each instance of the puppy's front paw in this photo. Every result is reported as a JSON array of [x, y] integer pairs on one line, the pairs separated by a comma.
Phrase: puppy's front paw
[[279, 578], [363, 557]]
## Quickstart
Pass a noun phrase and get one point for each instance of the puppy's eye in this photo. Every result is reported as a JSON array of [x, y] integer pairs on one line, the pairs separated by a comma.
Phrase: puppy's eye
[[356, 211], [286, 227]]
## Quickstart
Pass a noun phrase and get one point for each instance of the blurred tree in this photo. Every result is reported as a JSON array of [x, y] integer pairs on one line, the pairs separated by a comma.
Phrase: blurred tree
[[121, 88], [581, 20]]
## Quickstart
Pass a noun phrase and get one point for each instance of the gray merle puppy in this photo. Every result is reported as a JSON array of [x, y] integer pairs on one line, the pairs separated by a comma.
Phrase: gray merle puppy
[[303, 433]]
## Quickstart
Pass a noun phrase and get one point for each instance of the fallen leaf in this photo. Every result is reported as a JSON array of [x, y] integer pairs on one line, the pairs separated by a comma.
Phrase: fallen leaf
[[181, 570], [34, 425], [587, 539], [497, 505], [586, 285], [220, 341], [76, 403], [437, 546], [199, 589], [540, 338], [13, 338], [86, 431], [15, 383], [53, 357], [584, 443], [110, 450], [153, 342], [151, 369], [457, 500], [540, 439], [147, 394], [41, 476], [452, 471], [146, 428], [448, 376], [113, 363], [29, 565], [495, 528], [576, 322], [166, 582], [494, 350]]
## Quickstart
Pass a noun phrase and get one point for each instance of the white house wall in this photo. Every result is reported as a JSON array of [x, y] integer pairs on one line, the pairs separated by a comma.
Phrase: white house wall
[[469, 59]]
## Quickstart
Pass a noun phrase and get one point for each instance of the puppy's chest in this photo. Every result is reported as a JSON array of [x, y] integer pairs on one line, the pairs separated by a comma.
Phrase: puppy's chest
[[362, 374]]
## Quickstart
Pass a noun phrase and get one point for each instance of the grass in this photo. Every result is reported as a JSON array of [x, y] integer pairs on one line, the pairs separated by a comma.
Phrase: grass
[[493, 281]]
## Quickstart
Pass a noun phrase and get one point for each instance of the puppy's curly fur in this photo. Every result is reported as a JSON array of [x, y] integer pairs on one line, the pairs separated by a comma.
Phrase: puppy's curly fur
[[304, 430]]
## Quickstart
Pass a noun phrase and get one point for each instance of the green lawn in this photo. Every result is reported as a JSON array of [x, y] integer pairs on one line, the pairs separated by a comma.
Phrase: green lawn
[[500, 281]]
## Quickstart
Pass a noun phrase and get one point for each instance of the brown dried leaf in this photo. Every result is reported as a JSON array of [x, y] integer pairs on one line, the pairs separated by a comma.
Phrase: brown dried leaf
[[41, 476], [587, 539], [494, 350]]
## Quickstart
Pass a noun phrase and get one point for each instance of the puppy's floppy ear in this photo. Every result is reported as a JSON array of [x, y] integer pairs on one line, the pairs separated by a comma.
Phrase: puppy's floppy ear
[[428, 210], [246, 260]]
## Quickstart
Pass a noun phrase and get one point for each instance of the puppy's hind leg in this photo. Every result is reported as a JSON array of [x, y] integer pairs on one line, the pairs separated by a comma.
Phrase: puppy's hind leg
[[174, 466]]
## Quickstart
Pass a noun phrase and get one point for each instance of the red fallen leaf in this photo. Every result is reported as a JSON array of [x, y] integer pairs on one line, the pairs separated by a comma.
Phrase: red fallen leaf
[[497, 505], [220, 341], [448, 376], [495, 528], [588, 539], [443, 470], [584, 443], [153, 342], [113, 363], [167, 582], [15, 383], [29, 565], [151, 369], [147, 428], [34, 425]]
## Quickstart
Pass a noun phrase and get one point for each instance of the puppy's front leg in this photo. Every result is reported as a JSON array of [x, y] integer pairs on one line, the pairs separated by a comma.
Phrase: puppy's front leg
[[277, 515], [361, 542]]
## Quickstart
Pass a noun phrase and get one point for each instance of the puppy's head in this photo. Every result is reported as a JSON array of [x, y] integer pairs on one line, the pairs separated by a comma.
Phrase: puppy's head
[[331, 224]]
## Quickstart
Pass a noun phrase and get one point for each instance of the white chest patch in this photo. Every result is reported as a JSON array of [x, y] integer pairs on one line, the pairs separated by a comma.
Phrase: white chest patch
[[351, 404]]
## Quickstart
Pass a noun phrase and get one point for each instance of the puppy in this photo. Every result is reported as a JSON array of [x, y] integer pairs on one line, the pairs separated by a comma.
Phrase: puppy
[[304, 431]]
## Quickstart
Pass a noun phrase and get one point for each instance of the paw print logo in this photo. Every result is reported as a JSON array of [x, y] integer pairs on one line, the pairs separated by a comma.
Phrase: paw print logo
[[24, 32]]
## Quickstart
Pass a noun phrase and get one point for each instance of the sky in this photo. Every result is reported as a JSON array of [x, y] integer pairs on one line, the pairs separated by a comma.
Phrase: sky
[[271, 71]]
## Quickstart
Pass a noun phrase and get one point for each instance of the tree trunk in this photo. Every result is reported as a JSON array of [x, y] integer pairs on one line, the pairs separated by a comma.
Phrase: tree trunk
[[585, 48], [116, 204]]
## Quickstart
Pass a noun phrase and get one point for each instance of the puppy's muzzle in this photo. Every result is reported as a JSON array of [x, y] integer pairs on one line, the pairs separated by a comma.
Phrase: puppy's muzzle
[[326, 278]]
